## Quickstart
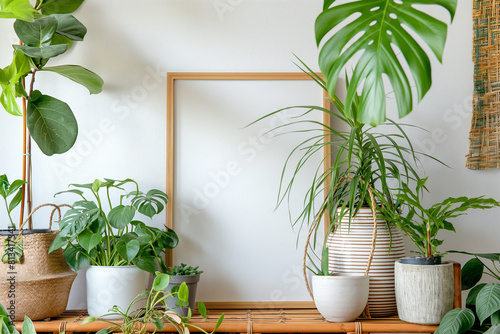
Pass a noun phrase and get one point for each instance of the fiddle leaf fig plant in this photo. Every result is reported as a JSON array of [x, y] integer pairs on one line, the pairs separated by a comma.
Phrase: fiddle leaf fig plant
[[45, 31], [104, 232], [380, 30]]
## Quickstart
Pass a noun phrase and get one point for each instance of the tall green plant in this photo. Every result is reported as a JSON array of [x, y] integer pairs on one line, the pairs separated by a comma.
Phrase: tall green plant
[[361, 158], [46, 31], [377, 31]]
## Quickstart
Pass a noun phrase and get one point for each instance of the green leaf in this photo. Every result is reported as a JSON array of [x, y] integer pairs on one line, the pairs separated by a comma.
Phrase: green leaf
[[146, 263], [493, 330], [219, 322], [44, 52], [60, 6], [88, 320], [488, 301], [89, 240], [17, 9], [68, 26], [80, 75], [11, 76], [6, 321], [471, 297], [128, 250], [158, 323], [202, 309], [183, 292], [456, 321], [28, 327], [472, 272], [161, 282], [75, 258], [51, 123], [376, 35], [38, 33], [120, 216], [488, 256], [495, 318], [150, 204]]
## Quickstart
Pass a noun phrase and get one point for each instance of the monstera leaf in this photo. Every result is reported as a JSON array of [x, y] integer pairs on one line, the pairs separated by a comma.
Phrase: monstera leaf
[[376, 32]]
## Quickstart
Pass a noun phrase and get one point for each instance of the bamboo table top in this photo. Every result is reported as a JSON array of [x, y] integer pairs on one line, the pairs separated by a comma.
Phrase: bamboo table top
[[251, 321]]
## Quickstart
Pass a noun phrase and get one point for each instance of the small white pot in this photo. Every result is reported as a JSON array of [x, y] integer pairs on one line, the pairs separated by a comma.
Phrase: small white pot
[[341, 297], [109, 286], [424, 293]]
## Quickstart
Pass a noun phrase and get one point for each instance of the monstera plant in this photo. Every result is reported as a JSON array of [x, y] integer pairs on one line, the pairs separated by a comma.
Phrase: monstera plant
[[379, 32], [45, 30]]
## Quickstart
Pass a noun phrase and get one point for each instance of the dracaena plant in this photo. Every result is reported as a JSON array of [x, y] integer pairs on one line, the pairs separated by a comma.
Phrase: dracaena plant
[[385, 36], [104, 231], [45, 31]]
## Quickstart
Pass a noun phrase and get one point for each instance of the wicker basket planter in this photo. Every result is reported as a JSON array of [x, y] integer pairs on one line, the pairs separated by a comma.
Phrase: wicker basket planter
[[39, 286]]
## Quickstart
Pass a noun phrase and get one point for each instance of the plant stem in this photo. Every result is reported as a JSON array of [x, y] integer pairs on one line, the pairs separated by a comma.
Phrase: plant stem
[[429, 250]]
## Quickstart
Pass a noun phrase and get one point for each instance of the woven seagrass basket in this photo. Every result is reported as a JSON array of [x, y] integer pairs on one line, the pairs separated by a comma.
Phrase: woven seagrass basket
[[39, 286]]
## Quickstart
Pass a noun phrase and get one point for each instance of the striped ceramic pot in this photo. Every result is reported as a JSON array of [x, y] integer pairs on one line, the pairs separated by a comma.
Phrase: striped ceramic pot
[[349, 249]]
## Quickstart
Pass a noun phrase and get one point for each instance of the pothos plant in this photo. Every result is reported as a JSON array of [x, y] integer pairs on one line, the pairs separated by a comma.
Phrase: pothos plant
[[156, 311], [422, 224], [105, 232]]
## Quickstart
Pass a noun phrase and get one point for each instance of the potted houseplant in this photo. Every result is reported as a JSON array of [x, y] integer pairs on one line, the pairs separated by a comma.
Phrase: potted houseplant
[[424, 285], [121, 250], [155, 311], [364, 165], [362, 159], [46, 30], [183, 274], [7, 326], [481, 313]]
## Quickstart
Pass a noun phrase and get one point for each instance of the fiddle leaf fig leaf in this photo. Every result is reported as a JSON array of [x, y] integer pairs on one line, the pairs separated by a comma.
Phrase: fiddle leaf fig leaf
[[38, 33], [80, 75], [376, 35], [120, 216], [70, 27], [51, 123], [60, 6], [17, 9], [43, 52]]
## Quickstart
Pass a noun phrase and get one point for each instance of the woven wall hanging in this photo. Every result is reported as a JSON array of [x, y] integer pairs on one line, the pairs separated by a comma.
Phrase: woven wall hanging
[[484, 148]]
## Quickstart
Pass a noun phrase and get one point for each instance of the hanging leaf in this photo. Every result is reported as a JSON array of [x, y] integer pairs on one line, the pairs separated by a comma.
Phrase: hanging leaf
[[60, 6], [128, 250], [37, 33], [70, 27], [17, 9], [472, 272], [80, 75], [9, 80], [51, 123], [376, 35]]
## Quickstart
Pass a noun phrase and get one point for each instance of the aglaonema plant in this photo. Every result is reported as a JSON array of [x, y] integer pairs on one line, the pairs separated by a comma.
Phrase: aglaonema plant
[[104, 231]]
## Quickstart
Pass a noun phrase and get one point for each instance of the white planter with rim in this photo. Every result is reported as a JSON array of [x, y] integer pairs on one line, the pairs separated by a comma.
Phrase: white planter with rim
[[340, 297], [109, 286], [424, 293]]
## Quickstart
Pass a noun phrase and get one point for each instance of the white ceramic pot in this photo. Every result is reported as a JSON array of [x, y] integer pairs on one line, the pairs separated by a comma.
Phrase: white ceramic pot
[[109, 286], [349, 248], [341, 297], [424, 293]]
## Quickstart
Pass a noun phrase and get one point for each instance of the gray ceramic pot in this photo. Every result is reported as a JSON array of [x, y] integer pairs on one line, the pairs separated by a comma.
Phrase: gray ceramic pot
[[192, 283]]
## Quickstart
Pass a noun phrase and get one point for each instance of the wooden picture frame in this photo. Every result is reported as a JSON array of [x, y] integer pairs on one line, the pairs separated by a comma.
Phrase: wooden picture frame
[[172, 80]]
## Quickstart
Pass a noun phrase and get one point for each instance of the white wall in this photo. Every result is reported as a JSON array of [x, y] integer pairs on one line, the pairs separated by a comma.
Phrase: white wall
[[132, 45]]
